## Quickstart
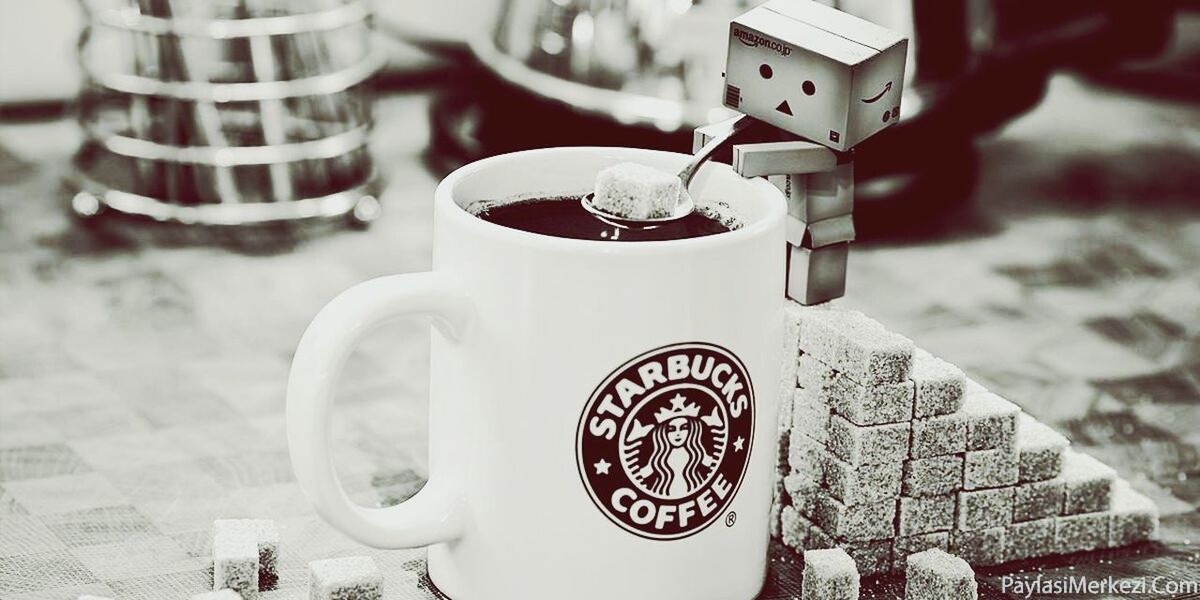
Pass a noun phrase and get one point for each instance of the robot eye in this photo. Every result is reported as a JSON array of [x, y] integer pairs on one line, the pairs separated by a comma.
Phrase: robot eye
[[809, 87], [765, 71]]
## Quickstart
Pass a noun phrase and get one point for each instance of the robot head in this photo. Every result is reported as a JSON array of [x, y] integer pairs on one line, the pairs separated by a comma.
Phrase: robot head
[[815, 71]]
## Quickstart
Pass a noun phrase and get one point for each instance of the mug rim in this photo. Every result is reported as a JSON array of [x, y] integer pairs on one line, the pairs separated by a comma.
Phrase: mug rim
[[448, 208]]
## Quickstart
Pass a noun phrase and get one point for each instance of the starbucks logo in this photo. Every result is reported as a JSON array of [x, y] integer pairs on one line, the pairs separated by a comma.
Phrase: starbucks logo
[[664, 440]]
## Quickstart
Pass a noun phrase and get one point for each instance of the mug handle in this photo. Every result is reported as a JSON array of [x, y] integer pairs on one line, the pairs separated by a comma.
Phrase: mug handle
[[434, 514]]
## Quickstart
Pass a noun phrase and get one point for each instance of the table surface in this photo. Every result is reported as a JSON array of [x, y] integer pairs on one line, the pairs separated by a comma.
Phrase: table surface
[[141, 382]]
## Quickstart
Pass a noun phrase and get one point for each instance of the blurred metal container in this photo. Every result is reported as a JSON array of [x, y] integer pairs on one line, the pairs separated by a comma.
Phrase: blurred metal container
[[229, 112], [643, 62]]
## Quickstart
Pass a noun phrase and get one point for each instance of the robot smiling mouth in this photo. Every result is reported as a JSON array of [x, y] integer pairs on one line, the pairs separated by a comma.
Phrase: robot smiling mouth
[[887, 88]]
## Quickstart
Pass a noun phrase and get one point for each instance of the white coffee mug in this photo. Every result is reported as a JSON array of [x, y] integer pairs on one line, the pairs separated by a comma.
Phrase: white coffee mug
[[602, 414]]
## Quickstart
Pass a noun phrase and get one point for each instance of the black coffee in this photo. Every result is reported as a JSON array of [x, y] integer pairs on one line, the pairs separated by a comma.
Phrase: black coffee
[[566, 217]]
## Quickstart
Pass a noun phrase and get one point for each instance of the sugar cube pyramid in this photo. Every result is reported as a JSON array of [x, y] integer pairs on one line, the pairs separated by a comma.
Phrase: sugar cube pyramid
[[887, 451]]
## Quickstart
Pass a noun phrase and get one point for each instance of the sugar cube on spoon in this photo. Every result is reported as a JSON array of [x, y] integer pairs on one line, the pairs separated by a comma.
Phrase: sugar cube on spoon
[[633, 191]]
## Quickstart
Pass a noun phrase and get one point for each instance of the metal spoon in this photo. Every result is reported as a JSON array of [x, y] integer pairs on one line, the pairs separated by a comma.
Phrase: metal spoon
[[684, 206]]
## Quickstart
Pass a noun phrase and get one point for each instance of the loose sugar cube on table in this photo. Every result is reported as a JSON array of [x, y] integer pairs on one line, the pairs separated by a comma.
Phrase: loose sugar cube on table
[[939, 385], [1078, 533], [351, 578], [829, 575], [1029, 539], [1088, 483], [926, 515], [904, 546], [635, 191], [990, 468], [984, 509], [809, 416], [983, 547], [938, 436], [1040, 449], [872, 556], [235, 563], [937, 575], [1038, 499], [265, 535], [859, 522], [875, 444], [933, 476], [1134, 517], [861, 484], [856, 346], [991, 421]]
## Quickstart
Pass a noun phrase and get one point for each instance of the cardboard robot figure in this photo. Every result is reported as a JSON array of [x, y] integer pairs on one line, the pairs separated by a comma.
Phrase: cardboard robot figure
[[832, 79]]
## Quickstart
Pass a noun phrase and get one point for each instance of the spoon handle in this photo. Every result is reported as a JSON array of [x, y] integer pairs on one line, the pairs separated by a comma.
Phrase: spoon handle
[[689, 170]]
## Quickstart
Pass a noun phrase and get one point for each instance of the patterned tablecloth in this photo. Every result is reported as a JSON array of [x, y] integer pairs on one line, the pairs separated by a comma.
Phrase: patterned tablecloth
[[141, 385]]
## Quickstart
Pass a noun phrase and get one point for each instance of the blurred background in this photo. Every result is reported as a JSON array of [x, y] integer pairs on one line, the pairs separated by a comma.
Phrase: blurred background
[[183, 184]]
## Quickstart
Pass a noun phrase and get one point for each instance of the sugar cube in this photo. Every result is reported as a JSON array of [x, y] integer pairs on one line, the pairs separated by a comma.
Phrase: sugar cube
[[1078, 533], [1134, 517], [939, 436], [809, 416], [802, 491], [1038, 499], [814, 374], [936, 575], [1040, 449], [1029, 539], [1088, 482], [873, 444], [984, 509], [235, 563], [933, 476], [872, 404], [829, 575], [856, 346], [860, 484], [859, 522], [785, 416], [939, 385], [991, 421], [804, 455], [983, 547], [636, 191], [266, 537], [926, 515], [778, 501], [225, 594], [903, 546], [872, 556], [792, 530], [990, 468], [350, 578], [818, 538]]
